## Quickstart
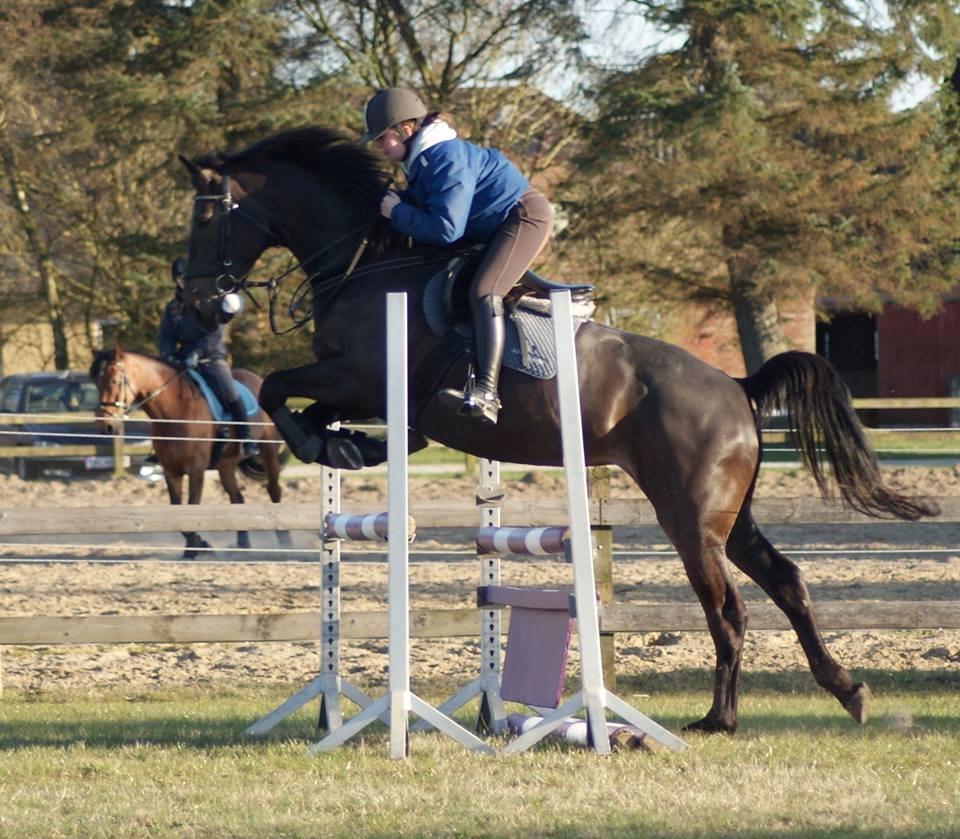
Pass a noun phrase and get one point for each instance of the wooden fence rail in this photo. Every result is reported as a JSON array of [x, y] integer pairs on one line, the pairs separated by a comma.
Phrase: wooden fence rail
[[612, 512], [304, 626], [118, 447], [445, 623]]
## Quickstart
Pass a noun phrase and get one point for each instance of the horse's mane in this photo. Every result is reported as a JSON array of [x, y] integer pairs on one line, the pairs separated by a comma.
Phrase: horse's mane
[[102, 357], [327, 154]]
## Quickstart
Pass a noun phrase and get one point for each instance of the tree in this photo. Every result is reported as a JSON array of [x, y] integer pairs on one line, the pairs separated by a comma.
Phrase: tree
[[761, 159], [489, 62], [98, 99]]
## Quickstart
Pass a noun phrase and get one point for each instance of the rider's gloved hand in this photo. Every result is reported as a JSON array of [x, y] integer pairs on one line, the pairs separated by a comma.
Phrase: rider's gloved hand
[[388, 202], [231, 304], [192, 361]]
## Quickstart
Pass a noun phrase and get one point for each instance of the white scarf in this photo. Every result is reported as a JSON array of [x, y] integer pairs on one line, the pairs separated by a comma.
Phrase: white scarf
[[430, 135]]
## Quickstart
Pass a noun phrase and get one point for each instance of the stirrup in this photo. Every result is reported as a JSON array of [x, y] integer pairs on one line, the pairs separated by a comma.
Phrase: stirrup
[[483, 406], [249, 448]]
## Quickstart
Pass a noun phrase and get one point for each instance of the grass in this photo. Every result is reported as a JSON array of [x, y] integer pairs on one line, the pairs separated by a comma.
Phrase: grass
[[176, 764]]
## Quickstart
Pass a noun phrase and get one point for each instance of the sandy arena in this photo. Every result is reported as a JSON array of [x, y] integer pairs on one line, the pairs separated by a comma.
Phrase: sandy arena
[[440, 579]]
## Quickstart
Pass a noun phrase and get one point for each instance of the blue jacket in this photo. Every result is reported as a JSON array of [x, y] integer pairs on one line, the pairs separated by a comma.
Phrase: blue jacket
[[457, 190]]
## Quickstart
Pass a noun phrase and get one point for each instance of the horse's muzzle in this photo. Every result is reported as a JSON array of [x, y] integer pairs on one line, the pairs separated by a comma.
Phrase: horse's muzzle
[[108, 424]]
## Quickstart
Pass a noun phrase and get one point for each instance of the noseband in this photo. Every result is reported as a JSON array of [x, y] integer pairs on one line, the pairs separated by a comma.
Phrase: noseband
[[124, 407], [226, 280]]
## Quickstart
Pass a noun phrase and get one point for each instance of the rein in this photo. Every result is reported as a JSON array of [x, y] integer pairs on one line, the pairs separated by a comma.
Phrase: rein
[[227, 282]]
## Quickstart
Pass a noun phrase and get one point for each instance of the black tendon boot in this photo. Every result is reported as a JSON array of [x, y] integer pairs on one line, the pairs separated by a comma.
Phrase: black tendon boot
[[479, 399], [239, 414]]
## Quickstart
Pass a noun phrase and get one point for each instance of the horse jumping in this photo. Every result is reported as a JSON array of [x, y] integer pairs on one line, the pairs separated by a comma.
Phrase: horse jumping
[[130, 380], [686, 432]]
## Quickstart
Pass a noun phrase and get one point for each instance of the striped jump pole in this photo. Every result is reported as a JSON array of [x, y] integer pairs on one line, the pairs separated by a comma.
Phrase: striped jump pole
[[399, 702], [363, 527], [522, 541]]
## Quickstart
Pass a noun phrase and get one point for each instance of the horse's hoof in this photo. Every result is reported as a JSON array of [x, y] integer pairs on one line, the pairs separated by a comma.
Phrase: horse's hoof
[[710, 725], [372, 450], [858, 705], [310, 449], [343, 454]]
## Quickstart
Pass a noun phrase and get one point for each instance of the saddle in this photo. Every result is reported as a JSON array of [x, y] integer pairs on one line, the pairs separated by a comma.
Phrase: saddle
[[529, 334], [532, 292], [219, 412]]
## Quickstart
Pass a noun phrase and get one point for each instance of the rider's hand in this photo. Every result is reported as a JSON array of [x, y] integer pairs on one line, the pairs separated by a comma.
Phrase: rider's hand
[[388, 202], [231, 304], [191, 361]]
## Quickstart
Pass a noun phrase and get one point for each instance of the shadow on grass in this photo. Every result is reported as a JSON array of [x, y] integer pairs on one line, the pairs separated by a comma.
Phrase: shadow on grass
[[772, 703], [626, 828], [163, 729], [894, 695], [791, 682]]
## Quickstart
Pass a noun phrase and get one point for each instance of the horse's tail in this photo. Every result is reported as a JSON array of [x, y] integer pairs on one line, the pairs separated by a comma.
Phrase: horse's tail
[[817, 403]]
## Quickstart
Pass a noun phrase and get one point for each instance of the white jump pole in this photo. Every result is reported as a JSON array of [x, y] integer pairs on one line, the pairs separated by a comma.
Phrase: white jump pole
[[593, 696], [328, 685], [399, 701], [492, 715]]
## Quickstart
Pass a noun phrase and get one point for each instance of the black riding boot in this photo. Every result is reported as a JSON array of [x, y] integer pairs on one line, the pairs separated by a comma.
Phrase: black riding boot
[[479, 399], [239, 414]]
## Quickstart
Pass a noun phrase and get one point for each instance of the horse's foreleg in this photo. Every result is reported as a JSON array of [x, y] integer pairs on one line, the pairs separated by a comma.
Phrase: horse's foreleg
[[781, 579], [228, 479], [329, 384], [194, 493], [270, 457], [175, 492]]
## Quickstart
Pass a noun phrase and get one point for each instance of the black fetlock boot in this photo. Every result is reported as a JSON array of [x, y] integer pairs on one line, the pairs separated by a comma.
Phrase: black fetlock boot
[[248, 447], [480, 399]]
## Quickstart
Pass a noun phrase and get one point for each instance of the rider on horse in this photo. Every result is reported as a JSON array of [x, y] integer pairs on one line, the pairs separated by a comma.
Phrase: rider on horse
[[185, 341], [457, 191]]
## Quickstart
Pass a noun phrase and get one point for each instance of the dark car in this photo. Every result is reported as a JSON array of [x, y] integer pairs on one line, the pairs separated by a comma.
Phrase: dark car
[[56, 393]]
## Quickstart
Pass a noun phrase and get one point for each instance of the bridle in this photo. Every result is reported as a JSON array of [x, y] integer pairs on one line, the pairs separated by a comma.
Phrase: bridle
[[127, 408], [227, 281]]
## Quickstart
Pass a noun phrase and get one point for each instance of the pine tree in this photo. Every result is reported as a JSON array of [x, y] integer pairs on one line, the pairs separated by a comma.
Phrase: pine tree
[[762, 160]]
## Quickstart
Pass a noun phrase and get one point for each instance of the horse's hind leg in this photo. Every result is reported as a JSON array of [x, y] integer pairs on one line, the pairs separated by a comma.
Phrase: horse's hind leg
[[781, 579]]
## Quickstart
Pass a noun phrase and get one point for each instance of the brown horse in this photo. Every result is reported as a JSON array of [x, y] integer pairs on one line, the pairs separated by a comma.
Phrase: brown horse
[[687, 433], [183, 435]]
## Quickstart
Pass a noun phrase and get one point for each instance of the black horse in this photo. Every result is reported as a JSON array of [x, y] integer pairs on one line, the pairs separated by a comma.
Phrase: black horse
[[687, 433]]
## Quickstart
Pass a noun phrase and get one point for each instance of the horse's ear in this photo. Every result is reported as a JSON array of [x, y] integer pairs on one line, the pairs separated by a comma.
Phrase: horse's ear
[[202, 177]]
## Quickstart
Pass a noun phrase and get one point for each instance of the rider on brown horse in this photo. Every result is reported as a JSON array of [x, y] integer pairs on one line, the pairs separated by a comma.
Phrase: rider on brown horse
[[459, 192], [186, 341]]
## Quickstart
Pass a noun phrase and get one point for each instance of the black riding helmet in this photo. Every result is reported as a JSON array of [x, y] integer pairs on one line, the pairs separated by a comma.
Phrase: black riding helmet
[[178, 269], [388, 107]]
